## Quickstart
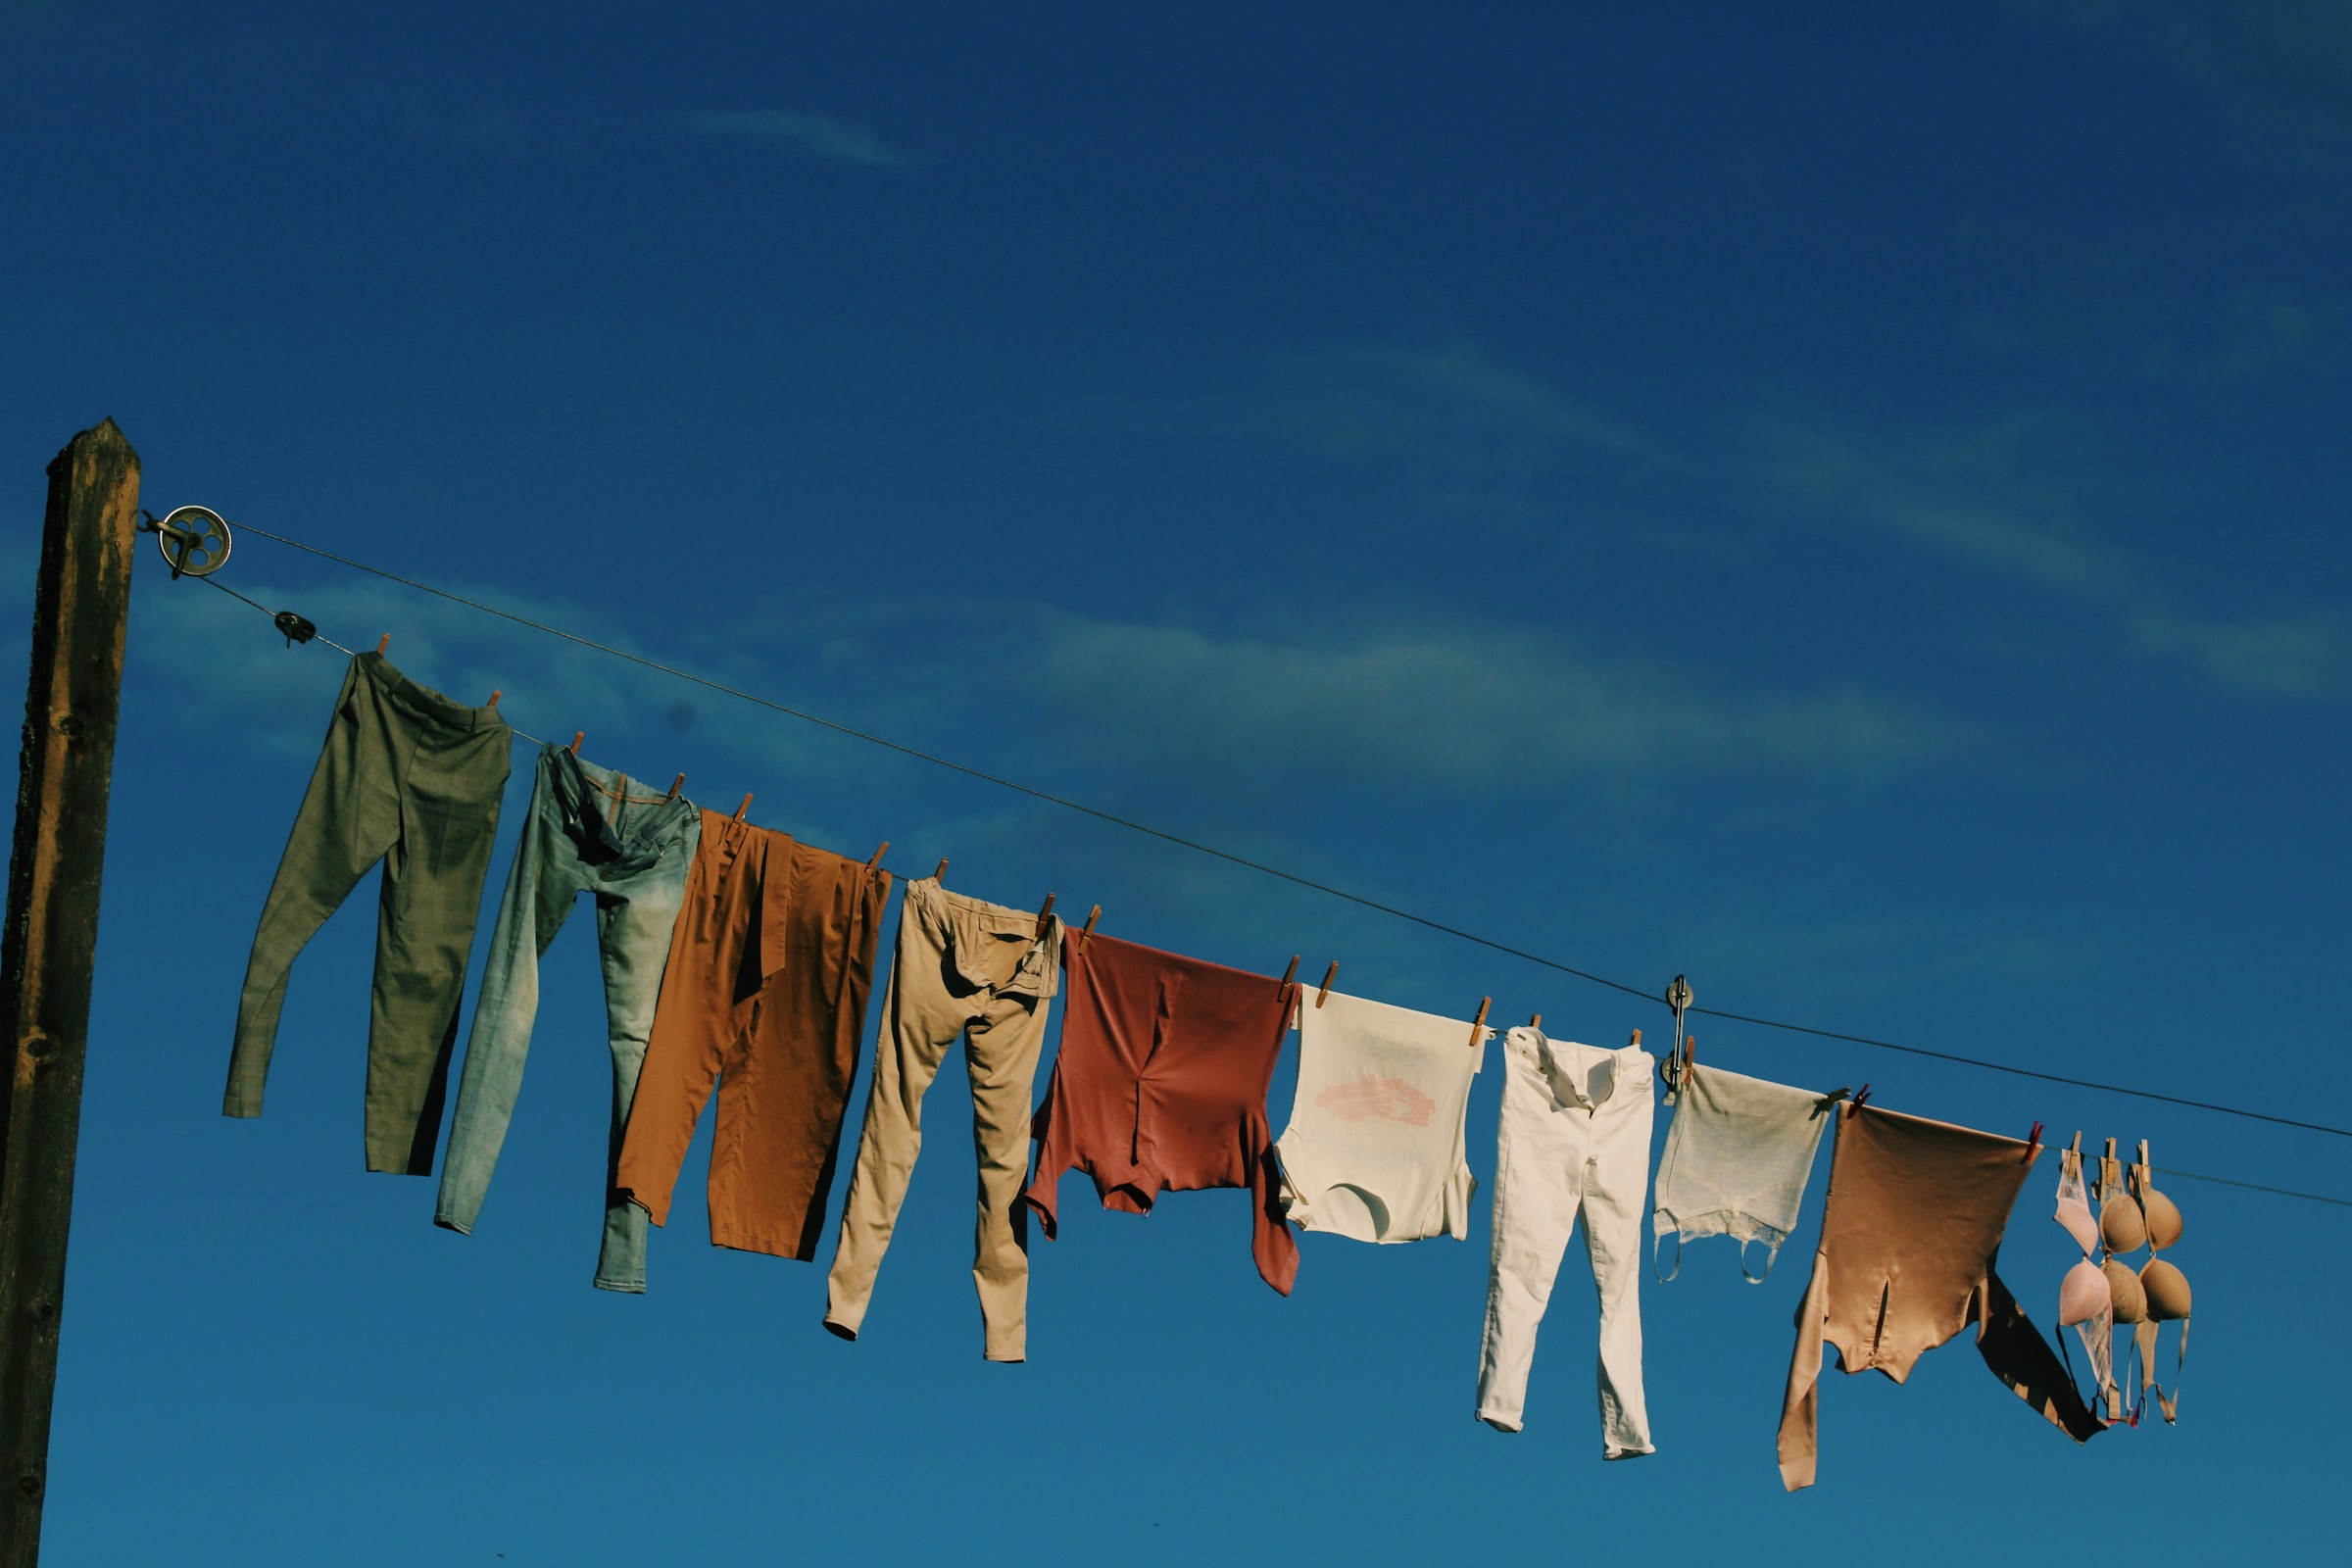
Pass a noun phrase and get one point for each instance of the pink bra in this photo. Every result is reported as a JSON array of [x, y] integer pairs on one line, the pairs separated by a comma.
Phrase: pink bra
[[2086, 1299]]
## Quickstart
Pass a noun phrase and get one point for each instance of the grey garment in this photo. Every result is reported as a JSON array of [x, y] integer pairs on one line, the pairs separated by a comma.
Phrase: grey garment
[[591, 830], [413, 779], [1737, 1161]]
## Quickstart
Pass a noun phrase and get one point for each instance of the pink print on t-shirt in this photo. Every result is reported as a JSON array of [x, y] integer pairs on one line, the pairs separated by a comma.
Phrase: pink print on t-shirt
[[1388, 1098]]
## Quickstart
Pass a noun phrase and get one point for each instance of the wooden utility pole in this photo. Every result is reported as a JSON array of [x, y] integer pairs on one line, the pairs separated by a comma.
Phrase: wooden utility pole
[[52, 934]]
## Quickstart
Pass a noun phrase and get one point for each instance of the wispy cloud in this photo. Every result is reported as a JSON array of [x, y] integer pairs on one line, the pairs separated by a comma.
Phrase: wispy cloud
[[1418, 704], [2146, 311], [465, 117], [1386, 697], [818, 134], [1454, 407], [2306, 657], [471, 117], [2017, 528], [2282, 68], [1242, 737], [1486, 710]]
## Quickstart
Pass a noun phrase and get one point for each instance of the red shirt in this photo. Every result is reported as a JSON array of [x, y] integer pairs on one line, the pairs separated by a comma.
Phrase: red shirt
[[1160, 1085]]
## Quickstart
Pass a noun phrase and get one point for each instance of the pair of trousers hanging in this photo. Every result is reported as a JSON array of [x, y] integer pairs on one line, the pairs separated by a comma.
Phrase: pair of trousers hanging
[[413, 779], [762, 1004], [590, 831], [983, 973], [1573, 1144]]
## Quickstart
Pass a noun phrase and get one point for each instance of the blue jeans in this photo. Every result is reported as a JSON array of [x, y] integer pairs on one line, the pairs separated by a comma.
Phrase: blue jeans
[[590, 830]]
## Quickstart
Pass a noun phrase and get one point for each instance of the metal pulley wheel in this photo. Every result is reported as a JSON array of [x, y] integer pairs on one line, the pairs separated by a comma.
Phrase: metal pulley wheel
[[194, 540]]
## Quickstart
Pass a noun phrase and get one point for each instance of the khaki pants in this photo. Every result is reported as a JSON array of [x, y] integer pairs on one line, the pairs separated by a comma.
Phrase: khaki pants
[[980, 971]]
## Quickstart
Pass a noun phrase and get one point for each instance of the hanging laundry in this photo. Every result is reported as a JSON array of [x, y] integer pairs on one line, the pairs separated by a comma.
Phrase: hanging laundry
[[1160, 1085], [1908, 1240], [1737, 1161], [1374, 1149], [2163, 1289], [771, 967], [2086, 1303], [1573, 1144], [988, 974], [591, 830], [413, 779], [2123, 1231]]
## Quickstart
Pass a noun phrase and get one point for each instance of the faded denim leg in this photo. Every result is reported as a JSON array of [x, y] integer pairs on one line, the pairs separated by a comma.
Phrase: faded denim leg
[[590, 830], [635, 915], [540, 889]]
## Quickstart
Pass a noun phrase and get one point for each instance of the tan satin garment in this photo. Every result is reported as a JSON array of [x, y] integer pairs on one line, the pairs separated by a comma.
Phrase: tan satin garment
[[1908, 1237]]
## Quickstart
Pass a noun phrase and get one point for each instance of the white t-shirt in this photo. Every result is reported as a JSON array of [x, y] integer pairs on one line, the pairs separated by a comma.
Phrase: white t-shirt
[[1374, 1149]]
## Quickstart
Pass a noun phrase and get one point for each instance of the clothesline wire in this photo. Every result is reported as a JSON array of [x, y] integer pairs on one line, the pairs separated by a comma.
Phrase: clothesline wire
[[2252, 1187], [1325, 888]]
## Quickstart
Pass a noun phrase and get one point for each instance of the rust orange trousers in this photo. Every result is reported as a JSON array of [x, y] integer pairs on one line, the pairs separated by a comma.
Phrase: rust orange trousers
[[763, 999]]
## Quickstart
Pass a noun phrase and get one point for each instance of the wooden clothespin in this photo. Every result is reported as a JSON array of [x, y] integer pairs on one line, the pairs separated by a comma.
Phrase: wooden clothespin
[[1043, 914], [384, 642], [1292, 973], [942, 869], [675, 785], [1092, 915], [745, 806], [1860, 1095], [1535, 1020], [878, 859], [494, 697], [1477, 1025], [2032, 1142], [1323, 992], [577, 736], [1689, 1053], [1637, 1037]]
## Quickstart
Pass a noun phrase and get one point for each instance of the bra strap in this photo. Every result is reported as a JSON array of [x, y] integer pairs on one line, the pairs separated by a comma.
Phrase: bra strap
[[1770, 1257], [1656, 1241], [2144, 1346]]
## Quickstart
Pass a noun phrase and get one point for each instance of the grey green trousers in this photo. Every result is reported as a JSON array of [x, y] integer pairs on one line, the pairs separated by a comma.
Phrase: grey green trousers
[[590, 830], [413, 779]]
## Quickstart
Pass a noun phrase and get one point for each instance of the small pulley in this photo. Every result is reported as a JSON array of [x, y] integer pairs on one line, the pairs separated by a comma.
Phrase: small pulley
[[1676, 1071], [194, 540]]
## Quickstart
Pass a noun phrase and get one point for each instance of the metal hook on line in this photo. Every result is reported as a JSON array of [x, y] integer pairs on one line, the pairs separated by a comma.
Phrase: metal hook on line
[[1677, 996]]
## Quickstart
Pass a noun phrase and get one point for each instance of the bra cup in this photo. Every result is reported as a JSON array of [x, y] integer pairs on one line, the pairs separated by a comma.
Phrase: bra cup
[[2164, 1218], [2075, 1217], [2130, 1298], [2167, 1291], [2120, 1225], [2084, 1294]]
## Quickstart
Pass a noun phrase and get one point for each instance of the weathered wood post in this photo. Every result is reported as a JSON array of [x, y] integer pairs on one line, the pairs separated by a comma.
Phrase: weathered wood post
[[52, 935]]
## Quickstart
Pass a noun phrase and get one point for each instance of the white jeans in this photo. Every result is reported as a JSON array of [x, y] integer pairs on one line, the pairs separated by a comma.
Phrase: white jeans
[[1574, 1141]]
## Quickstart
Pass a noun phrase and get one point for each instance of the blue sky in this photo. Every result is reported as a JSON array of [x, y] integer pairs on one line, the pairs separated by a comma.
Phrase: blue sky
[[1843, 501]]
